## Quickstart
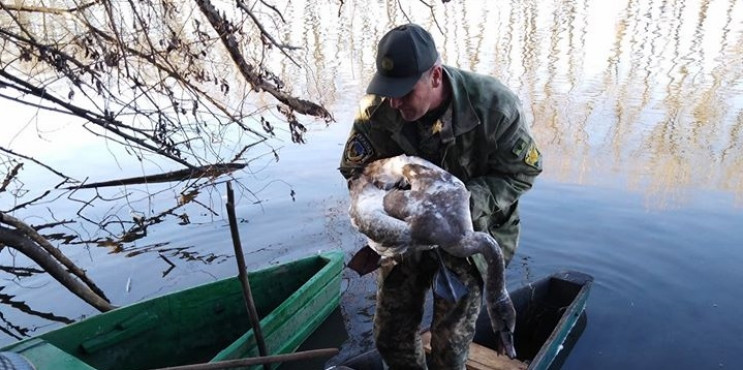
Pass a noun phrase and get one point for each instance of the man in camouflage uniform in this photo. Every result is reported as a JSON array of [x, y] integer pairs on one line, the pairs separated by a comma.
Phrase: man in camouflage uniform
[[472, 126]]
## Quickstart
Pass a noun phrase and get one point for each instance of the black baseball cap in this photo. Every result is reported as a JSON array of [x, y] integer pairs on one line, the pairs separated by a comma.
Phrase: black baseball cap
[[403, 55]]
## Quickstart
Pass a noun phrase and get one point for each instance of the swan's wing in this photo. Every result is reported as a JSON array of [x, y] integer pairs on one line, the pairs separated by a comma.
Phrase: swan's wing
[[386, 214]]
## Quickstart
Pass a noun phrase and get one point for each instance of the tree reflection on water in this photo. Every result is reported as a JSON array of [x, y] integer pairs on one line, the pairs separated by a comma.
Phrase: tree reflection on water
[[640, 95]]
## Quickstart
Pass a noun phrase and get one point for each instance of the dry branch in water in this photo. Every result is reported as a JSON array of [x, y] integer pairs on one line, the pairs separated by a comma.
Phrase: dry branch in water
[[169, 82], [25, 239]]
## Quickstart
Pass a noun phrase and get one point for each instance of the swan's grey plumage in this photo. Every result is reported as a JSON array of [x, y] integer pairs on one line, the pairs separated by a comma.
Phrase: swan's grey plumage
[[406, 203], [387, 235]]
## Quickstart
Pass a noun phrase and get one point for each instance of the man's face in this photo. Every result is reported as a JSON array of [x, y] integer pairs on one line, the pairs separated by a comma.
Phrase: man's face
[[418, 101]]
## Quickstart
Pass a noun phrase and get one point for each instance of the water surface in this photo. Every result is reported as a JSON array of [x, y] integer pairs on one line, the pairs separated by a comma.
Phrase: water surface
[[637, 109]]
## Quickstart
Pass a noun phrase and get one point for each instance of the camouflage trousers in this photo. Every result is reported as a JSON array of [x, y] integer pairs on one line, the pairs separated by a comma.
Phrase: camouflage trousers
[[401, 296]]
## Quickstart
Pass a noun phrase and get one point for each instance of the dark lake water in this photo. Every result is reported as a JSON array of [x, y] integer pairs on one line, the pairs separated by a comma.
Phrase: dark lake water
[[638, 109]]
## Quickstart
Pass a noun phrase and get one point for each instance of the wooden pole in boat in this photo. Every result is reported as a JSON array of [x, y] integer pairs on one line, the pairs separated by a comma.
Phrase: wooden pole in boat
[[229, 364], [243, 274]]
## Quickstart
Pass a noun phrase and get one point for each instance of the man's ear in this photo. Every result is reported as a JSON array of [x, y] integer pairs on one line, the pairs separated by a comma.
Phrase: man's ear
[[437, 75]]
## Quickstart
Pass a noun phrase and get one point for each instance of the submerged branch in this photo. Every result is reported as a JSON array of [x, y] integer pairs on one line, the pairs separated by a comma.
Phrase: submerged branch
[[22, 306], [21, 242], [212, 170], [30, 240]]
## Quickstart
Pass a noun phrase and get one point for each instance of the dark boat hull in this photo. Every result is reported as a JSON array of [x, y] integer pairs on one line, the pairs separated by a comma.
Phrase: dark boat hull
[[550, 317]]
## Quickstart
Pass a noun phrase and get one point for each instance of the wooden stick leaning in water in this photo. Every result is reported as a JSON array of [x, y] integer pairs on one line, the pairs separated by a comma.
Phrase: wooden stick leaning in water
[[296, 356], [243, 274]]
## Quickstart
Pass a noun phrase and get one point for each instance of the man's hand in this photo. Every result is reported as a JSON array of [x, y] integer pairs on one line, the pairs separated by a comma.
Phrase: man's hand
[[364, 261]]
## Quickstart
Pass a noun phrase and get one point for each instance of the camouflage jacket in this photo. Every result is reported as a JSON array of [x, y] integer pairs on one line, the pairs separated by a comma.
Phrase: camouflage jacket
[[485, 142]]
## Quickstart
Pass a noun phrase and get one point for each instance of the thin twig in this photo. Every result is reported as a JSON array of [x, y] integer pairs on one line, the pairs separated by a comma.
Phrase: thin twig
[[274, 9], [241, 5], [37, 162], [24, 204], [399, 5]]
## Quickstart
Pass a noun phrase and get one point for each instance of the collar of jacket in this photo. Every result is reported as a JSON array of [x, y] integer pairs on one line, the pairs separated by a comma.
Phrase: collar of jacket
[[464, 117]]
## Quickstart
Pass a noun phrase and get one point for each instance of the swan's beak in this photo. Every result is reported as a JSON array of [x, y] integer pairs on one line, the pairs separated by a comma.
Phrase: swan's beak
[[506, 345]]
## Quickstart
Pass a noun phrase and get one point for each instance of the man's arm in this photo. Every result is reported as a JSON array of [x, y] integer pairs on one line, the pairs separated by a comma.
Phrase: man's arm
[[511, 170]]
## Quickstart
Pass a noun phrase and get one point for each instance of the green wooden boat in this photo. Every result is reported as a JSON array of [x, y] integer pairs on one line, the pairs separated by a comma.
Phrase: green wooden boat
[[202, 324]]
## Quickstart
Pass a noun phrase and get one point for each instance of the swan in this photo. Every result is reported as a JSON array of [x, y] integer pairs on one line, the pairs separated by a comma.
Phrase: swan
[[406, 203]]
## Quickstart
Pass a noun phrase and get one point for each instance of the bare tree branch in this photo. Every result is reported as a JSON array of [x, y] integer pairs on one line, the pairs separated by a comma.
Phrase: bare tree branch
[[27, 203], [21, 242], [10, 175], [44, 9], [213, 170], [225, 31], [264, 33], [24, 232], [105, 121]]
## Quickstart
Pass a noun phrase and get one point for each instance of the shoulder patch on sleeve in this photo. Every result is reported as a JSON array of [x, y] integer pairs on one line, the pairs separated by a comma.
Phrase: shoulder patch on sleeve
[[533, 157], [358, 149]]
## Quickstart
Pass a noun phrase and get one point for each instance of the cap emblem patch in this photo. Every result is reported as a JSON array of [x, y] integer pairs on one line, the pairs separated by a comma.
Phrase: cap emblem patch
[[387, 64]]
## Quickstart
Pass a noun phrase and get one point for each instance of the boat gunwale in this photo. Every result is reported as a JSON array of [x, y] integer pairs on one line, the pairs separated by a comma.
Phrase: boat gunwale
[[564, 326], [271, 322]]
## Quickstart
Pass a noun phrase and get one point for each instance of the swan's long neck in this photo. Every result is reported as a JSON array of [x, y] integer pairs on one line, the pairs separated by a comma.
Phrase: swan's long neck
[[499, 305]]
